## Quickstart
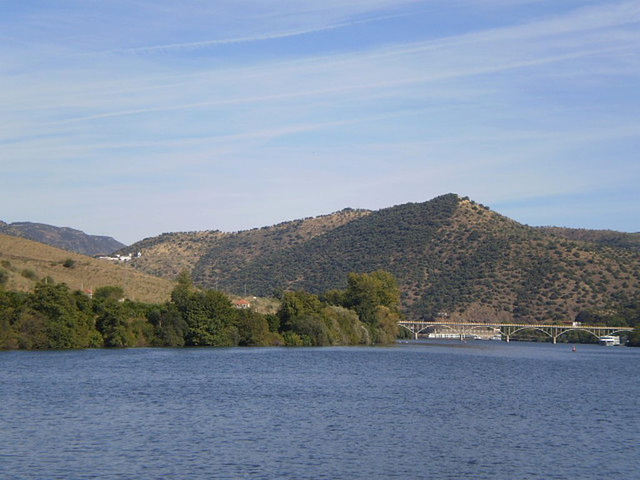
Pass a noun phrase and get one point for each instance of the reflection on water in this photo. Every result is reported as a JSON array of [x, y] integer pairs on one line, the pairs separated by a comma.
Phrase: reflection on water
[[440, 409]]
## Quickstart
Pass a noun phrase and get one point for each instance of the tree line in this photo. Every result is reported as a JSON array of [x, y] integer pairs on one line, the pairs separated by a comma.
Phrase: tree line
[[53, 316]]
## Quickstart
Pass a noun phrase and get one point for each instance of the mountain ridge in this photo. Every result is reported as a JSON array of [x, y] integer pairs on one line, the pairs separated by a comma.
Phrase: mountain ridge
[[65, 238], [450, 254]]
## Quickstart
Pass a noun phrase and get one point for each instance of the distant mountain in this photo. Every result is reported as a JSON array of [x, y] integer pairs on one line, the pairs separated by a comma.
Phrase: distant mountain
[[62, 237], [607, 238], [451, 256]]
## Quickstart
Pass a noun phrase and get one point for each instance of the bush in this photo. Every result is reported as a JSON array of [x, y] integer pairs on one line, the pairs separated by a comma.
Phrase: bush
[[69, 263], [253, 329], [29, 274], [292, 339], [109, 293], [312, 330]]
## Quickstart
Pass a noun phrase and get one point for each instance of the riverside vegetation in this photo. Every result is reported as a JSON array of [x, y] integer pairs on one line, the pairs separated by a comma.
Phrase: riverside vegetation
[[54, 317]]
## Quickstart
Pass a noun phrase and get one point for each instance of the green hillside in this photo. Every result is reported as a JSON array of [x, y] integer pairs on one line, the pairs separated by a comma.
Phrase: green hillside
[[450, 255]]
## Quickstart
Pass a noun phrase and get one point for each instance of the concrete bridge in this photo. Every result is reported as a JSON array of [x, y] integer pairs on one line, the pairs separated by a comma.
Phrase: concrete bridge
[[463, 329]]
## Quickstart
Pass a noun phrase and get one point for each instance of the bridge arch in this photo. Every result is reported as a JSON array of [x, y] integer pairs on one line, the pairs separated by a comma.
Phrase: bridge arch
[[532, 327], [509, 329], [417, 328], [578, 330]]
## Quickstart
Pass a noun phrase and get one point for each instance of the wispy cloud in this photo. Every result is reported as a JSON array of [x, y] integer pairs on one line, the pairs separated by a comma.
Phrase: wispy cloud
[[275, 35], [422, 113]]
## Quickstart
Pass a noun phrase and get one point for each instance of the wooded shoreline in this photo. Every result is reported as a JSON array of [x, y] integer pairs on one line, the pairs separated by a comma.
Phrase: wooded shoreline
[[54, 317]]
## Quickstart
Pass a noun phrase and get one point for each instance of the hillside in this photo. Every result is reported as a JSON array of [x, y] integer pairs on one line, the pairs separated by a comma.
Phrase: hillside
[[451, 257], [62, 237], [608, 238], [24, 262], [208, 253]]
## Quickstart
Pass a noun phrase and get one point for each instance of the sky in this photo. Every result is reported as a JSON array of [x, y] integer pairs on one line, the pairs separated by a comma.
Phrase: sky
[[130, 118]]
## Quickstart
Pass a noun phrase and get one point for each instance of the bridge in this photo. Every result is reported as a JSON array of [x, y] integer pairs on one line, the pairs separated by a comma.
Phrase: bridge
[[506, 330]]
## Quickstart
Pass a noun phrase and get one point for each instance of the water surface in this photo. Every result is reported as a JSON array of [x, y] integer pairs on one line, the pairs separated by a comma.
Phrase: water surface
[[446, 410]]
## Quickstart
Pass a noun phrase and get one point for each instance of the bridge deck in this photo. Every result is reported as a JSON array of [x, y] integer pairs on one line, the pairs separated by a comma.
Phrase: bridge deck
[[509, 329]]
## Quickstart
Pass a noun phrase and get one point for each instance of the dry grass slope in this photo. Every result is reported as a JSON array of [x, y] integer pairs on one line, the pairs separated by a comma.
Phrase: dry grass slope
[[212, 254], [171, 253], [27, 262]]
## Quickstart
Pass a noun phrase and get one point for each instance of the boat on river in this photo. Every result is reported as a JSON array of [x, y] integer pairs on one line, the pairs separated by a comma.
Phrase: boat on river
[[609, 340]]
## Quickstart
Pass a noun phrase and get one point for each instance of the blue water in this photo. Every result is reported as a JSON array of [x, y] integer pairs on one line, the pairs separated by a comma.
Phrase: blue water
[[482, 410]]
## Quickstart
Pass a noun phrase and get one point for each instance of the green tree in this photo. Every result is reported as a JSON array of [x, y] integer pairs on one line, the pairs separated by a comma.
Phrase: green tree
[[209, 316], [274, 322], [31, 330], [67, 324], [312, 330], [345, 328], [183, 289], [334, 297], [9, 304], [387, 321], [367, 291], [634, 337], [295, 305], [112, 325], [169, 326], [122, 323], [253, 330]]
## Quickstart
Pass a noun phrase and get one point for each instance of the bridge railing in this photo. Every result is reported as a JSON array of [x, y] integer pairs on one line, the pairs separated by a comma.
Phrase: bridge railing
[[509, 329]]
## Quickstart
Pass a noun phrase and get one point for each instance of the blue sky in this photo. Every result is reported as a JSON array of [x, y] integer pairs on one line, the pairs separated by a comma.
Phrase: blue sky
[[133, 118]]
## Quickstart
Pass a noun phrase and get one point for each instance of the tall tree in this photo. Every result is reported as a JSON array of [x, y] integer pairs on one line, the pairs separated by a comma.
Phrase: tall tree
[[209, 315], [367, 291], [67, 323], [297, 304]]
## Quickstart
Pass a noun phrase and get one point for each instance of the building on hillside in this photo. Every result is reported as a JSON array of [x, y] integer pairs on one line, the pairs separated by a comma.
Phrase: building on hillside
[[241, 303], [120, 258]]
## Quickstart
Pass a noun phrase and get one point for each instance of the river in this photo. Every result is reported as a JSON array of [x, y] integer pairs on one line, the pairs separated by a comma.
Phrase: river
[[440, 410]]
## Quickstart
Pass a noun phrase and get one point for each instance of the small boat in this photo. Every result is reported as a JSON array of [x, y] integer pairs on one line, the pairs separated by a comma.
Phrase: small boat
[[609, 340]]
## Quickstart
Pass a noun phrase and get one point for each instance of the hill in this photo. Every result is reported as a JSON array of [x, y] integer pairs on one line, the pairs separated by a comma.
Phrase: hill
[[62, 237], [607, 238], [24, 262], [212, 255], [450, 255]]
